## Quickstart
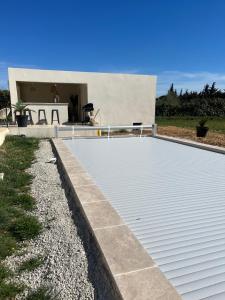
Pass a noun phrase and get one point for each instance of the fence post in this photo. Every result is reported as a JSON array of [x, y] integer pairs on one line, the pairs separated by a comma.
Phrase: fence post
[[108, 132], [56, 131], [141, 131], [154, 129]]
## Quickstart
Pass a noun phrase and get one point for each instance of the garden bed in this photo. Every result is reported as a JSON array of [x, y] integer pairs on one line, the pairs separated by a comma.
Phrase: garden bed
[[42, 255], [212, 138]]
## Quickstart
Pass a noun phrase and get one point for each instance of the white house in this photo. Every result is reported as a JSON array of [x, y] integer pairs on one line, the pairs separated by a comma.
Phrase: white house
[[119, 99]]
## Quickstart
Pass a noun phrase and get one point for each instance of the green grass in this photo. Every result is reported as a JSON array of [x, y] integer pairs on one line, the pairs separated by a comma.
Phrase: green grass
[[42, 293], [215, 124], [4, 272], [31, 264], [25, 201], [9, 290], [25, 228], [16, 155], [8, 245]]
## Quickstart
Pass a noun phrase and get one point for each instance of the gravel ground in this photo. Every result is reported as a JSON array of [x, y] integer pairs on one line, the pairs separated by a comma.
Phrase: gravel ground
[[65, 266]]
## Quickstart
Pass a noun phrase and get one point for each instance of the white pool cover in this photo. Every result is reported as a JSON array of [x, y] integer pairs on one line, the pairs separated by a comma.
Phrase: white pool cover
[[173, 198]]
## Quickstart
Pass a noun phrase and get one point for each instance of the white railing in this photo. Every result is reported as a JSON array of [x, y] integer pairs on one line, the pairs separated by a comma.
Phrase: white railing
[[108, 129]]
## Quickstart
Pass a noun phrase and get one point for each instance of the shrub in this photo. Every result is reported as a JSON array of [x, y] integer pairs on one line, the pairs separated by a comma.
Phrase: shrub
[[25, 228], [202, 122]]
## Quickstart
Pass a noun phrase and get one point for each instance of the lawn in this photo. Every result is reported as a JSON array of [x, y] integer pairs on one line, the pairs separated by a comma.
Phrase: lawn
[[214, 124], [16, 224]]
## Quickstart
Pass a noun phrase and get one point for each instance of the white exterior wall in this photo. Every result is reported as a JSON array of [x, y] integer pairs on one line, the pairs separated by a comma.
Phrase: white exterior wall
[[121, 98]]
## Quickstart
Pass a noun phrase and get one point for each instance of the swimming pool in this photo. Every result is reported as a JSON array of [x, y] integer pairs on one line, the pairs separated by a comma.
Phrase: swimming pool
[[173, 198]]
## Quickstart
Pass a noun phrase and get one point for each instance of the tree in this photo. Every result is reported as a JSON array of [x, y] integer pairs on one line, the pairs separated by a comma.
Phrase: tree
[[208, 102], [4, 98]]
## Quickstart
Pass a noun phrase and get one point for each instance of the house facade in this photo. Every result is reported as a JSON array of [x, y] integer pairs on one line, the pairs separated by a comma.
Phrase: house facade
[[118, 99]]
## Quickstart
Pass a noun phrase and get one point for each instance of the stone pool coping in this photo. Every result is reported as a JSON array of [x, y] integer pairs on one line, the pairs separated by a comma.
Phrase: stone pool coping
[[133, 272], [191, 143]]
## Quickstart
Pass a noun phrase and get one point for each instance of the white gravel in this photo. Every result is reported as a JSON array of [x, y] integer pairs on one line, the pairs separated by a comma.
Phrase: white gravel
[[65, 267]]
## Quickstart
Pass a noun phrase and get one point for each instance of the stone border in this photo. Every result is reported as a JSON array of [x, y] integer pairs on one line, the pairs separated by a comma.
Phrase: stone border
[[3, 133], [191, 143], [133, 273]]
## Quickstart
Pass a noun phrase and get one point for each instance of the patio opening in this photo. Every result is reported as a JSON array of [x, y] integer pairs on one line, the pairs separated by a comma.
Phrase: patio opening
[[67, 98]]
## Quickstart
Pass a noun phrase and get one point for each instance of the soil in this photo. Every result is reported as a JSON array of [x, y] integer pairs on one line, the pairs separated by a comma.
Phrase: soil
[[212, 138]]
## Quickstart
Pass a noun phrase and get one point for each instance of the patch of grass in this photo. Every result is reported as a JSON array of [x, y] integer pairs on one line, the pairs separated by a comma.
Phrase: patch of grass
[[25, 201], [31, 264], [9, 290], [4, 272], [7, 215], [6, 191], [25, 228], [19, 180], [16, 155], [4, 218], [42, 293], [7, 245]]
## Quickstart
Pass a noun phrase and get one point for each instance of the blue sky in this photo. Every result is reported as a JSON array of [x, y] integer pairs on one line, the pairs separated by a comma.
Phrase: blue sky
[[180, 41]]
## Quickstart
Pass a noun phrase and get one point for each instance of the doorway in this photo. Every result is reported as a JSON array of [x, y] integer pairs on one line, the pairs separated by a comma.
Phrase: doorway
[[76, 101]]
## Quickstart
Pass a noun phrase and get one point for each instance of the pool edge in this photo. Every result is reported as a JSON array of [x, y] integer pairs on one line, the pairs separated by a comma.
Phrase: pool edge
[[191, 143], [132, 271]]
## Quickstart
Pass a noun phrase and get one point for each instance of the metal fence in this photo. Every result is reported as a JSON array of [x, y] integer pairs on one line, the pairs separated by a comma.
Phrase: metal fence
[[70, 131]]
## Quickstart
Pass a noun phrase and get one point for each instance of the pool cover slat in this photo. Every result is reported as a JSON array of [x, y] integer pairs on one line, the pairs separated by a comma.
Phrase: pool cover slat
[[173, 198]]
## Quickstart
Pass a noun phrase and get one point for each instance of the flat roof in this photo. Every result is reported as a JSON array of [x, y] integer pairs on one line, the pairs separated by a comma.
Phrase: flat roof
[[173, 199], [32, 70]]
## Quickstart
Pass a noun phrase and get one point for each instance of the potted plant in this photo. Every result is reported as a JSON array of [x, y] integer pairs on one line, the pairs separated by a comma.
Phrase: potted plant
[[22, 118], [201, 129]]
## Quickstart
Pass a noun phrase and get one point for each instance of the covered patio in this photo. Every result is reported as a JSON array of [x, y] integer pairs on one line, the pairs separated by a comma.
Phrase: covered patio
[[53, 103]]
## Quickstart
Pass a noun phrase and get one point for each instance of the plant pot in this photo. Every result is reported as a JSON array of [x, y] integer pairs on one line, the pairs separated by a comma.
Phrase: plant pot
[[201, 131], [22, 120]]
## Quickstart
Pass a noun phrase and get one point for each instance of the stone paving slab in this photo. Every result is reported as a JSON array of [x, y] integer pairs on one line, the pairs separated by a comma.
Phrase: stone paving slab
[[146, 284], [89, 193], [101, 214], [121, 249]]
